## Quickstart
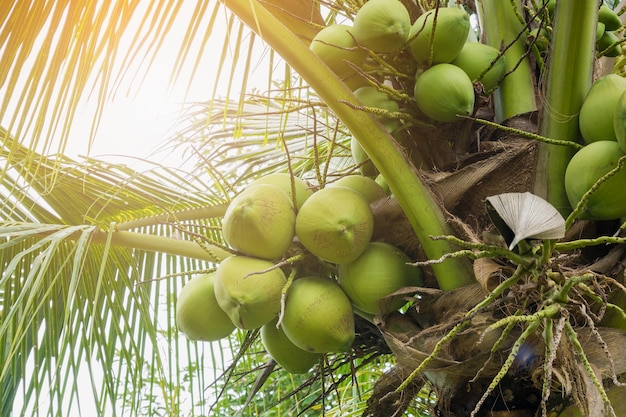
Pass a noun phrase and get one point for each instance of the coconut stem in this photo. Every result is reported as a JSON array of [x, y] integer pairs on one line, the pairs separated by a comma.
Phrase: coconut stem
[[569, 77], [501, 25], [418, 202], [162, 244], [200, 213]]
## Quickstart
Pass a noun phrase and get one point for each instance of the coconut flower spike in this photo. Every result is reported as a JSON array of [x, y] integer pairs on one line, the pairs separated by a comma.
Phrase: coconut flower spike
[[527, 216]]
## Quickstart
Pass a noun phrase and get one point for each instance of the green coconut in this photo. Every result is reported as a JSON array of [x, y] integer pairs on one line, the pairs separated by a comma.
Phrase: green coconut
[[380, 180], [600, 29], [293, 359], [444, 91], [335, 45], [382, 25], [285, 182], [249, 290], [318, 316], [596, 113], [372, 97], [260, 222], [586, 167], [369, 189], [610, 19], [615, 395], [360, 157], [610, 41], [475, 58], [381, 270], [450, 34], [198, 315], [619, 121], [335, 224]]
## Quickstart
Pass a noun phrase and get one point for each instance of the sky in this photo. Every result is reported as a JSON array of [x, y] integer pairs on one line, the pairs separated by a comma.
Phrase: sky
[[146, 106]]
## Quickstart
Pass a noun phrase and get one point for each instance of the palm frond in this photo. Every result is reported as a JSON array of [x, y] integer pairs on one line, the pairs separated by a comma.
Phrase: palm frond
[[75, 300], [256, 136]]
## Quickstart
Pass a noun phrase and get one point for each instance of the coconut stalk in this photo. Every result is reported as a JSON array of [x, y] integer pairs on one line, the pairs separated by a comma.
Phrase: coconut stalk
[[502, 27], [568, 79], [419, 204]]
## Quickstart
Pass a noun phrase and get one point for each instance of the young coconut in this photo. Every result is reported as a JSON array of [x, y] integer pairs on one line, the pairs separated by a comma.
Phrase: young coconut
[[382, 25], [596, 113], [619, 121], [198, 315], [609, 18], [250, 298], [444, 91], [475, 58], [260, 222], [335, 224], [446, 37], [610, 41], [381, 270], [372, 97], [360, 157], [369, 189], [335, 45], [318, 316], [586, 167], [293, 359], [284, 182]]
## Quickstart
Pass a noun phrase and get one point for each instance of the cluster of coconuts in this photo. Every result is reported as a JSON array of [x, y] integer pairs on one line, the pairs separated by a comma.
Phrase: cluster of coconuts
[[439, 42], [449, 63], [271, 219], [607, 40], [602, 123]]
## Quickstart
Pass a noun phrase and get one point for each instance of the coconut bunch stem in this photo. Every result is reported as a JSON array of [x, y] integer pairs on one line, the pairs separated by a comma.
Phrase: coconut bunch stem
[[424, 213], [568, 79], [502, 26]]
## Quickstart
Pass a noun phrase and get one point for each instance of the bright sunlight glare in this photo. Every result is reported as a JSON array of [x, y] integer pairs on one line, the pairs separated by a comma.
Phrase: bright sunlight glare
[[135, 122]]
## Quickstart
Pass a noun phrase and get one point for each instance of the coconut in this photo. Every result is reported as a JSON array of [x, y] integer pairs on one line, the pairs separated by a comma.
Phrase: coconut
[[366, 166], [284, 181], [586, 167], [381, 270], [369, 189], [382, 25], [198, 315], [293, 359], [596, 113], [619, 121], [318, 316], [249, 290], [260, 222], [335, 224], [450, 34], [372, 97], [609, 18], [444, 91], [335, 45], [475, 58], [611, 41]]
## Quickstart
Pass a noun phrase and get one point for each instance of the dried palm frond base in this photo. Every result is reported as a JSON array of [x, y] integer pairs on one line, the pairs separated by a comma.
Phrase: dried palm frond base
[[522, 353]]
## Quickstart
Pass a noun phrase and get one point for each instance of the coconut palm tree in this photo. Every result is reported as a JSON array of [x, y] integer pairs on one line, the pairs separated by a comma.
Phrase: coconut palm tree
[[522, 302]]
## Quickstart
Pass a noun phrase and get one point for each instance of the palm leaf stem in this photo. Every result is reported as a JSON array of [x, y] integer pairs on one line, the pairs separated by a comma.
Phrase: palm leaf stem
[[502, 28], [567, 82]]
